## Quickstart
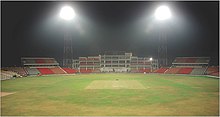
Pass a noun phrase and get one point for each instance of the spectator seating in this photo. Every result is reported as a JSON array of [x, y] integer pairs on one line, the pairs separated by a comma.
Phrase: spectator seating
[[57, 70], [5, 75], [172, 70], [70, 71], [134, 71], [96, 71], [45, 71], [212, 69], [215, 73], [161, 70], [202, 60], [145, 70], [185, 70], [36, 61], [32, 71], [19, 70], [198, 71], [191, 60], [85, 70], [28, 61], [40, 61]]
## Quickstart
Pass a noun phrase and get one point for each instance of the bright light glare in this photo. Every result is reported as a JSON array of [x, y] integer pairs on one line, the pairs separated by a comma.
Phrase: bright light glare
[[151, 59], [162, 13], [67, 13]]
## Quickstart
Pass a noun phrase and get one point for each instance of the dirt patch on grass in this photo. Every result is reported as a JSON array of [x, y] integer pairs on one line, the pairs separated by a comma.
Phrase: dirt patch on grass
[[6, 93], [115, 84]]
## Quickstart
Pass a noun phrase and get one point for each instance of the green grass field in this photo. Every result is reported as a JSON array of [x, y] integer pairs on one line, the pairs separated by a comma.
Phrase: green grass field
[[102, 94]]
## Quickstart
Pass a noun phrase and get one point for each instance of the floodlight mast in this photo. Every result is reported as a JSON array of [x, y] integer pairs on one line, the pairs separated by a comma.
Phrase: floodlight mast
[[162, 13], [67, 13]]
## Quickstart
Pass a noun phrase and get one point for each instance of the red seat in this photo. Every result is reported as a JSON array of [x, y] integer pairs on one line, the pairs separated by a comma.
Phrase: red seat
[[70, 71], [86, 70], [185, 71], [191, 60], [172, 71], [211, 70], [161, 70], [57, 70], [40, 61], [215, 73], [45, 71]]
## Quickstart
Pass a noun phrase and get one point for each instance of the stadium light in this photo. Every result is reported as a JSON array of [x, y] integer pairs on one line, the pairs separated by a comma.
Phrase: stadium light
[[151, 69], [162, 13], [67, 13]]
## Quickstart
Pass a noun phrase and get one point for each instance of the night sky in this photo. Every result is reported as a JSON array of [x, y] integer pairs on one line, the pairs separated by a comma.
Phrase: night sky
[[33, 29]]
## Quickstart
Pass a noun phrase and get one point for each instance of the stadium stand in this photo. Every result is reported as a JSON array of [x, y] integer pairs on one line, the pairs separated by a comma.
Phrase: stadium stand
[[32, 71], [198, 71], [147, 70], [85, 70], [185, 70], [173, 70], [38, 61], [5, 75], [70, 71], [189, 65], [212, 69], [45, 71], [41, 66], [96, 71], [57, 70], [161, 70], [115, 62], [215, 74], [20, 70]]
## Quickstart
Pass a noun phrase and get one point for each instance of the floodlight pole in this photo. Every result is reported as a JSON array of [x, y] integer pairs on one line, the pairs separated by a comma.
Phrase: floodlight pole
[[162, 48], [68, 49], [67, 14]]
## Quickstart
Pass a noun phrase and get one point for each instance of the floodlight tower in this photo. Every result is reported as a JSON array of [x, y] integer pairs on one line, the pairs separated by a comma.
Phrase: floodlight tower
[[67, 13], [162, 13]]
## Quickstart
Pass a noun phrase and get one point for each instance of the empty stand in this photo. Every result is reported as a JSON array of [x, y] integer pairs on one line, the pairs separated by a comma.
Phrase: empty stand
[[57, 70], [8, 75], [40, 61], [172, 71], [96, 71], [144, 70], [185, 70], [198, 71], [19, 70], [45, 71], [190, 60], [212, 69], [202, 60], [70, 71], [32, 71], [85, 70], [161, 70], [215, 74]]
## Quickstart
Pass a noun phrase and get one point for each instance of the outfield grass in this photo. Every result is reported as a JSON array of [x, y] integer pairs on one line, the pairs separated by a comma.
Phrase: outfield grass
[[68, 95]]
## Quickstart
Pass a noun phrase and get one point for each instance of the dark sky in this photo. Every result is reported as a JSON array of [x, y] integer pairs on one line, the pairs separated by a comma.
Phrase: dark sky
[[32, 29]]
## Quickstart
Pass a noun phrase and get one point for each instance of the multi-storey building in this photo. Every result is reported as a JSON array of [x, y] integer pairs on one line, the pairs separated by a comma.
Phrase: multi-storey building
[[115, 62]]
